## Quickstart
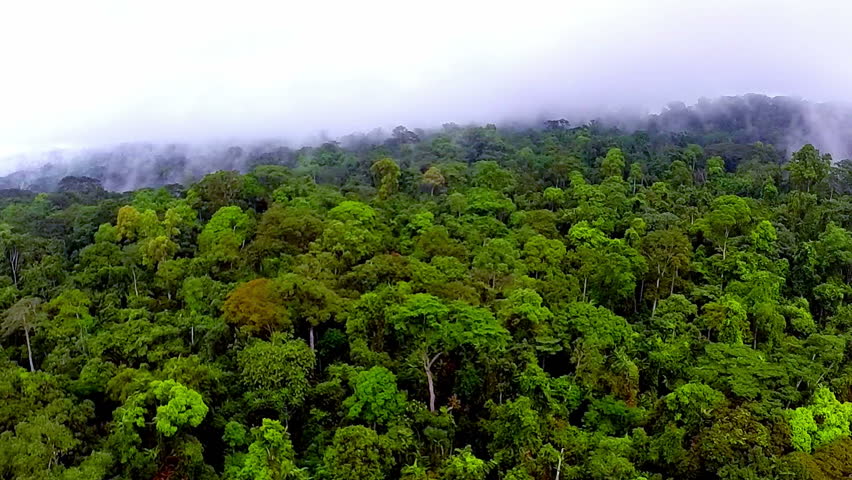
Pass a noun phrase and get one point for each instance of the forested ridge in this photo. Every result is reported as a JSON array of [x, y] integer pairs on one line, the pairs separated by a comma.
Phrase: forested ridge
[[569, 302], [724, 126]]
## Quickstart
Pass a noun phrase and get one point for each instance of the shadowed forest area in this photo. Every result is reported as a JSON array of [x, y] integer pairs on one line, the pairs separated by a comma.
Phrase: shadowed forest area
[[470, 303]]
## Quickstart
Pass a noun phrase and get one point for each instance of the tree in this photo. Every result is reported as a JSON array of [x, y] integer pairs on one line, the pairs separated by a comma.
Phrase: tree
[[285, 230], [275, 373], [728, 317], [156, 250], [483, 201], [819, 423], [171, 274], [183, 406], [436, 241], [554, 196], [667, 253], [598, 341], [737, 440], [10, 244], [613, 164], [270, 456], [375, 397], [609, 266], [168, 406], [351, 235], [673, 316], [463, 465], [693, 404], [543, 256], [256, 307], [498, 258], [740, 371], [636, 175], [515, 429], [219, 190], [224, 236], [808, 168], [715, 167], [490, 175], [356, 452], [523, 314], [24, 315], [691, 155], [386, 172], [433, 329], [34, 448], [70, 311], [432, 178], [833, 252], [680, 174], [728, 216], [309, 301], [270, 177]]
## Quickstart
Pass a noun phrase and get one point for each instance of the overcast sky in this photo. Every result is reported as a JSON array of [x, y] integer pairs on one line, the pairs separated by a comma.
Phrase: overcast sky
[[87, 73]]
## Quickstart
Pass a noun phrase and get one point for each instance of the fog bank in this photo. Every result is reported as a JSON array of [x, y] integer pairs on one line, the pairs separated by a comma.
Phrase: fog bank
[[95, 73]]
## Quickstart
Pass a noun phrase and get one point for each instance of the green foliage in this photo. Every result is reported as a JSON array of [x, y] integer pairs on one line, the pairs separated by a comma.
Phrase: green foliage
[[182, 406], [463, 465], [808, 168], [276, 373], [820, 423], [362, 311], [515, 429], [256, 306], [692, 404], [613, 164], [356, 452], [375, 397], [270, 456], [387, 172], [225, 234]]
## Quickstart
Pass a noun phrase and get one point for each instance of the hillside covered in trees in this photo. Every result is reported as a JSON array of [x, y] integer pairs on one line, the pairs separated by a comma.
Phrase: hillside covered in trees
[[724, 126], [475, 303]]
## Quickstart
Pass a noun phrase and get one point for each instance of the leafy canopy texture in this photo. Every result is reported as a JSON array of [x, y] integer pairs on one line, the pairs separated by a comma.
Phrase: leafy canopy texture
[[558, 302]]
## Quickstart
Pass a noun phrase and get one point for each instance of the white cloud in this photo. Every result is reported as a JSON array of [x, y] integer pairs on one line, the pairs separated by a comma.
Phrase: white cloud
[[93, 72]]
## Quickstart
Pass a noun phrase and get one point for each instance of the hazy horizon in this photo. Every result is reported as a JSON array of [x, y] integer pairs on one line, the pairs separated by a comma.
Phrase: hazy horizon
[[96, 73]]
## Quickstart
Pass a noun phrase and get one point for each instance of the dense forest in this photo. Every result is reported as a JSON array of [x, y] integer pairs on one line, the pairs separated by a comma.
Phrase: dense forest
[[726, 125], [553, 303]]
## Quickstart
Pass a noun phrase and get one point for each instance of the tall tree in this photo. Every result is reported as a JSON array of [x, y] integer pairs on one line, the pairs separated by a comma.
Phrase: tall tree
[[25, 315], [808, 168]]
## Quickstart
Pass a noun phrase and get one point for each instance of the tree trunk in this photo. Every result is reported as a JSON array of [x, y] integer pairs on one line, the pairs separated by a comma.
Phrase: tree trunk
[[14, 264], [311, 337], [754, 342], [29, 349], [559, 464], [674, 277], [656, 291], [427, 367], [135, 287]]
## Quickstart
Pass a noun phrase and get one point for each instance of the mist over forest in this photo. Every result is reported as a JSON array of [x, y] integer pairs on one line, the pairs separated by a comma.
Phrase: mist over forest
[[717, 124]]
